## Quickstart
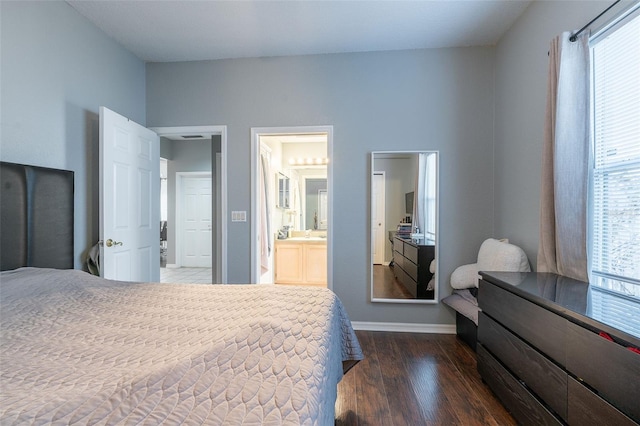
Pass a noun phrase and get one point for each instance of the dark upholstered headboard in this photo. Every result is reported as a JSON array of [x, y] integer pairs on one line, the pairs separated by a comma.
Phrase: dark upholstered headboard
[[36, 219]]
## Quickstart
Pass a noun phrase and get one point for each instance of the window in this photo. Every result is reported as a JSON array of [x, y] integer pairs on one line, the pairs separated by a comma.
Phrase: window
[[615, 183]]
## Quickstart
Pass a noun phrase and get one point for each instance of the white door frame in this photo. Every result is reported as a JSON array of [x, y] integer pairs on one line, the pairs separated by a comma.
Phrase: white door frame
[[256, 133], [180, 178], [222, 132]]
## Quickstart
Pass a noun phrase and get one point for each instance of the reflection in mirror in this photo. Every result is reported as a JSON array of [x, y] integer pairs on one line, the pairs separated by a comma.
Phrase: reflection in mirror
[[404, 227], [283, 191]]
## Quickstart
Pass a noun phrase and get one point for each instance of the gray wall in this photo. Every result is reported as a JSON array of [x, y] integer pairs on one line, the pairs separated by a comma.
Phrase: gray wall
[[521, 85], [57, 70], [409, 100]]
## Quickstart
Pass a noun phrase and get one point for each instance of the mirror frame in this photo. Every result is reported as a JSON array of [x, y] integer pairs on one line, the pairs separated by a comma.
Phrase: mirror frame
[[435, 299]]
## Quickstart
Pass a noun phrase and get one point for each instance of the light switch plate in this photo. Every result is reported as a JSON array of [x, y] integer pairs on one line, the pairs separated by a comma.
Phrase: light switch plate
[[239, 216]]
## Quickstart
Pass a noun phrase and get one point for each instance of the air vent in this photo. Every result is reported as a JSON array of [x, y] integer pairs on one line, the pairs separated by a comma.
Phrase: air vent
[[192, 137]]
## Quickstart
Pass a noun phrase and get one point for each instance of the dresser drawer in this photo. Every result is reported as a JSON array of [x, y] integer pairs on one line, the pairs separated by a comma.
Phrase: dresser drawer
[[542, 376], [522, 404], [398, 272], [586, 408], [398, 261], [407, 282], [411, 269], [411, 253], [610, 368], [398, 245], [537, 326]]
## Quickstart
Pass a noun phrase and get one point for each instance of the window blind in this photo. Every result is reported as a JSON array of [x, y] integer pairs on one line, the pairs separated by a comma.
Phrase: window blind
[[615, 210], [618, 311]]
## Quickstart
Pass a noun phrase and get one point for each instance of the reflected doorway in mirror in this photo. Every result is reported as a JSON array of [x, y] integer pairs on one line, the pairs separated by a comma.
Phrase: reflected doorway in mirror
[[404, 226]]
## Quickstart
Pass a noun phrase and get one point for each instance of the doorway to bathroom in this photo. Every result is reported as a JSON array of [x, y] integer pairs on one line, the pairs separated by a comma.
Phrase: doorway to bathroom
[[291, 208]]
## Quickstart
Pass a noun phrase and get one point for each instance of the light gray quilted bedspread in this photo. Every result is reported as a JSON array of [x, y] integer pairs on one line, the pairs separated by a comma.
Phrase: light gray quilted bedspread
[[77, 349]]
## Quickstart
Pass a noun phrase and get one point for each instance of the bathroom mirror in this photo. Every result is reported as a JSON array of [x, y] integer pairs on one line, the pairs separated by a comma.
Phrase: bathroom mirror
[[301, 188], [283, 191], [404, 226]]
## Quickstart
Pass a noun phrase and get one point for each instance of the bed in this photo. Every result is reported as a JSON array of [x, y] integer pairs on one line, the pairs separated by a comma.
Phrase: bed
[[84, 350]]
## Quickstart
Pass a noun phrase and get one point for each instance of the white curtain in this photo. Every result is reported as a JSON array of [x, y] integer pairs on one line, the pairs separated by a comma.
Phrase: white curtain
[[265, 220], [420, 195], [565, 158]]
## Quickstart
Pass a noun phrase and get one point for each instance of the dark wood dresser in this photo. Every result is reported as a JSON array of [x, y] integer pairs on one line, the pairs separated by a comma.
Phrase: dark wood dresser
[[556, 350], [412, 258]]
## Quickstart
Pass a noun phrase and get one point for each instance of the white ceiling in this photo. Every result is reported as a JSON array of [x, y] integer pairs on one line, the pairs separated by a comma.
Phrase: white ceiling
[[169, 31]]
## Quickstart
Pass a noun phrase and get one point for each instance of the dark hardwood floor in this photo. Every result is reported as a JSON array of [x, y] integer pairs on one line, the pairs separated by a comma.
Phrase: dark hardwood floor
[[411, 379], [386, 286]]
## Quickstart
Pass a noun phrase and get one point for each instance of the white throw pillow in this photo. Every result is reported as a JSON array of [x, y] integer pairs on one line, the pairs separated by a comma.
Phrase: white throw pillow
[[495, 255], [465, 276]]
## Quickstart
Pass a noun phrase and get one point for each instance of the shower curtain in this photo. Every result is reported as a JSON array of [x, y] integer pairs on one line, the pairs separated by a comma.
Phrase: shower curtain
[[265, 220]]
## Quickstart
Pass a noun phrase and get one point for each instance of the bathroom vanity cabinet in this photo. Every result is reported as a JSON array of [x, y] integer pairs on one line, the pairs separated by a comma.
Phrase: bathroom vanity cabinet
[[301, 261]]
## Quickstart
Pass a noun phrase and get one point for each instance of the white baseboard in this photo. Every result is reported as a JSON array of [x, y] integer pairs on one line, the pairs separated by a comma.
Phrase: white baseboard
[[172, 266], [404, 327]]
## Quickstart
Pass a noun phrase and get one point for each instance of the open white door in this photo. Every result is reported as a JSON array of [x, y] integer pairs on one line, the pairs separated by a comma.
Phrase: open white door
[[129, 199], [378, 217]]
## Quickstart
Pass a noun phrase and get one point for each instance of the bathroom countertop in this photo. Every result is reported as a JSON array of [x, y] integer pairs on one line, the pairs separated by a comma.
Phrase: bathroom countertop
[[304, 240]]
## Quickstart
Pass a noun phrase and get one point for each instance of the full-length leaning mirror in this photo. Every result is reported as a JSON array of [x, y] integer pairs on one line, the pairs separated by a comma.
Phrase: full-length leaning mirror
[[404, 227]]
